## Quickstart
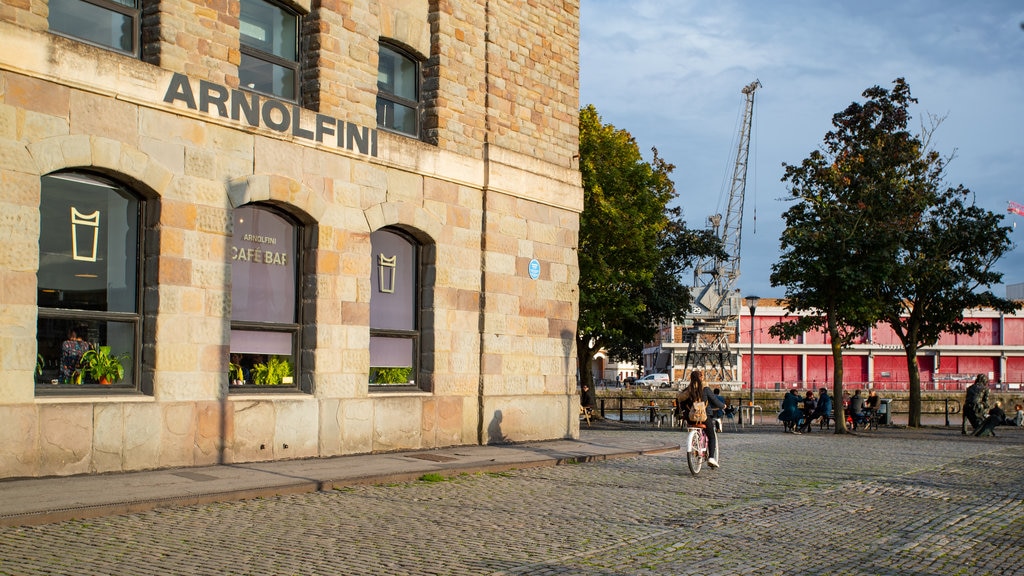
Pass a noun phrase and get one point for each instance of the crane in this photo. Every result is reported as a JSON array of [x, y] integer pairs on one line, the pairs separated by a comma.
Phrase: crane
[[716, 303]]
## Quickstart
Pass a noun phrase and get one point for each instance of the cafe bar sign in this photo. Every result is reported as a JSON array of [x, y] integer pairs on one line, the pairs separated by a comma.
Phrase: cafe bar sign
[[257, 110]]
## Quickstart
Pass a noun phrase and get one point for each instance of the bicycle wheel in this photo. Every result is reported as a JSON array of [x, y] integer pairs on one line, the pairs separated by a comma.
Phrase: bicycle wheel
[[694, 456]]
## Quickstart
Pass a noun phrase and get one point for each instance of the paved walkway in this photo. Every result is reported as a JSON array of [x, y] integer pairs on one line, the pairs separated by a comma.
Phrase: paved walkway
[[892, 501], [44, 500]]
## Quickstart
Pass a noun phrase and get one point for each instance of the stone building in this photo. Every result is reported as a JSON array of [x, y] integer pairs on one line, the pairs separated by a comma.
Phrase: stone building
[[289, 228]]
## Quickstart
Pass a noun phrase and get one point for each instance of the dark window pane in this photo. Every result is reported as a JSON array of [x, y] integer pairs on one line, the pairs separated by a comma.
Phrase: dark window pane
[[266, 77], [61, 342], [88, 245], [269, 29], [397, 91], [96, 24], [396, 116], [397, 75]]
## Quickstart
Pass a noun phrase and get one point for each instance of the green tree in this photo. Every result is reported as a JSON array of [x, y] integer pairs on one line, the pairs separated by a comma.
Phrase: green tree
[[828, 254], [884, 239], [632, 247]]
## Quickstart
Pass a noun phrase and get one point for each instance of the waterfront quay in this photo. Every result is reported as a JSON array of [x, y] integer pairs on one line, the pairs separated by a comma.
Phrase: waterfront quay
[[891, 501]]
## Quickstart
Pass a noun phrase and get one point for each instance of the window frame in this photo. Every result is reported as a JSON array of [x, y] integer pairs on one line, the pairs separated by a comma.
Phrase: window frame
[[416, 333], [294, 329], [134, 13], [386, 97], [270, 57], [80, 316]]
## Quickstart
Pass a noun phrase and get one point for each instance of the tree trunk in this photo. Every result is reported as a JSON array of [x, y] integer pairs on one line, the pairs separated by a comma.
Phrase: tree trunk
[[914, 373], [584, 363], [837, 385]]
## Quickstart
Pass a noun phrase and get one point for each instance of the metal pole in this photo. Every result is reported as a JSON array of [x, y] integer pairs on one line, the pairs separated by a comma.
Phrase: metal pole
[[751, 367], [752, 304]]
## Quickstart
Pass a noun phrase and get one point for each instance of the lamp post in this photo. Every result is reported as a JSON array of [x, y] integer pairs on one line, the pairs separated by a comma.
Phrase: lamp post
[[752, 304]]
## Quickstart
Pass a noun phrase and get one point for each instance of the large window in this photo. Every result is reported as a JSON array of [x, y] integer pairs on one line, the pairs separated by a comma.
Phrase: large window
[[394, 310], [398, 91], [112, 24], [264, 305], [89, 322], [270, 50]]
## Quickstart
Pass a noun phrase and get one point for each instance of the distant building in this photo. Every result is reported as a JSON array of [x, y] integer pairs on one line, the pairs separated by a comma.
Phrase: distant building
[[876, 360], [306, 229]]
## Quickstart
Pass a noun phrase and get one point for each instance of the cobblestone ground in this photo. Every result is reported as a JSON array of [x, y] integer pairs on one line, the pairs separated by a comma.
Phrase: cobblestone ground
[[892, 501]]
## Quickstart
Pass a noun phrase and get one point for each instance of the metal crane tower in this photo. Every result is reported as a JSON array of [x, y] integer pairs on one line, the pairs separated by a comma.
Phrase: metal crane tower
[[716, 304]]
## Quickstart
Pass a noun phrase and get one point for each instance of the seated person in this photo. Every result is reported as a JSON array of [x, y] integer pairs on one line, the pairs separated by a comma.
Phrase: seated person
[[822, 408], [857, 415], [1018, 420], [790, 413], [872, 403], [810, 404], [995, 417]]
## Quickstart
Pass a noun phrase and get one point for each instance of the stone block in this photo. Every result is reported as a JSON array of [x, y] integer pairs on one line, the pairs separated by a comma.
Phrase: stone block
[[296, 427], [65, 439], [19, 441], [143, 434]]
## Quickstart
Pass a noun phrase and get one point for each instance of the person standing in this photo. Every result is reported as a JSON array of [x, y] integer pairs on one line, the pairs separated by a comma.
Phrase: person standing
[[71, 351], [698, 392]]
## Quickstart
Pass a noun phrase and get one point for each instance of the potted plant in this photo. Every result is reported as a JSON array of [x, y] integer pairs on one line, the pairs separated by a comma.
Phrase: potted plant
[[102, 366], [236, 373], [274, 372]]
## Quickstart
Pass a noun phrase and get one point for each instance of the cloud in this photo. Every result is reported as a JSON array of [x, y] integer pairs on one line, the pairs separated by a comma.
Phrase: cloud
[[671, 73]]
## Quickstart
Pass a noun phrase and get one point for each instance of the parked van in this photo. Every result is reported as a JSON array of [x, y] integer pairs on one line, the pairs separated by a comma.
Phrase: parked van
[[654, 381]]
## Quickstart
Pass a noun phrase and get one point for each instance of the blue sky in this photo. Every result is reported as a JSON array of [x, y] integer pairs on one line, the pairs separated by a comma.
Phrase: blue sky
[[670, 72]]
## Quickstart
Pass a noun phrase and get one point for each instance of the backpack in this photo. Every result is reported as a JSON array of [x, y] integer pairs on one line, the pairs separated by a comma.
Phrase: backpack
[[698, 412]]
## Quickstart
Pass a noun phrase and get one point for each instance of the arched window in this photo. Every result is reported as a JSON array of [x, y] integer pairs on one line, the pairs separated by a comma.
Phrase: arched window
[[394, 310], [398, 91], [89, 285], [265, 326]]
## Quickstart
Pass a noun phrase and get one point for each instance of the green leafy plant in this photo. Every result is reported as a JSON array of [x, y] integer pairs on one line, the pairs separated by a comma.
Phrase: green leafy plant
[[235, 370], [273, 372], [102, 366], [39, 364], [398, 375]]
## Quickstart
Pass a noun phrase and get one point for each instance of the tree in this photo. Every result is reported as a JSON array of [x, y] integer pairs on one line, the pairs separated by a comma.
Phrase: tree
[[632, 247], [877, 236], [827, 256], [943, 267]]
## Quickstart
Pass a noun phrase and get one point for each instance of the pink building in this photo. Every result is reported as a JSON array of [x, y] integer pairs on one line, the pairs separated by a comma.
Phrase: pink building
[[876, 360]]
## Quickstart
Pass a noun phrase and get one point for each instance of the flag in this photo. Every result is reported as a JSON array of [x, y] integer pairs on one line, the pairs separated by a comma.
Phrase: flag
[[1015, 208]]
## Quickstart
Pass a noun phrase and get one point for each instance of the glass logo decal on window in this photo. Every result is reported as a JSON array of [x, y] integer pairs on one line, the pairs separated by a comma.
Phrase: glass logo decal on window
[[89, 224], [386, 273]]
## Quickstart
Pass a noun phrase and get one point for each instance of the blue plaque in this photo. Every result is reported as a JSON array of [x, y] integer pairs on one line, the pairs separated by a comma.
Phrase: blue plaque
[[534, 269]]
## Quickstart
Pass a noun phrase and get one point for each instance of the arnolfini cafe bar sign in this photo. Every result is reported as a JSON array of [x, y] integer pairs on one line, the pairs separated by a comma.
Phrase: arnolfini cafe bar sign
[[257, 110]]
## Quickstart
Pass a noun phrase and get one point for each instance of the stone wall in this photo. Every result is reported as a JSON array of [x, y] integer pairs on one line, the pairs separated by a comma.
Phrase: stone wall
[[490, 191]]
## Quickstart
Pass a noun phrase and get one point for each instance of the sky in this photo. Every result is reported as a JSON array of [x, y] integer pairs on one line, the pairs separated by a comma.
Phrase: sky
[[670, 72]]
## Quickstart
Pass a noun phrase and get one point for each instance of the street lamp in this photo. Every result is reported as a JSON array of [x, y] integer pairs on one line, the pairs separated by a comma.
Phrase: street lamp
[[752, 304]]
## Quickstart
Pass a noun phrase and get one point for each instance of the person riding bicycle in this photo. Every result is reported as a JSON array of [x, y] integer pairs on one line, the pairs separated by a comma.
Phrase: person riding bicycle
[[698, 392]]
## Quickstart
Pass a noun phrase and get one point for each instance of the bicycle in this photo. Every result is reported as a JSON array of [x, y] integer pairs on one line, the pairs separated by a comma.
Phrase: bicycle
[[696, 447]]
